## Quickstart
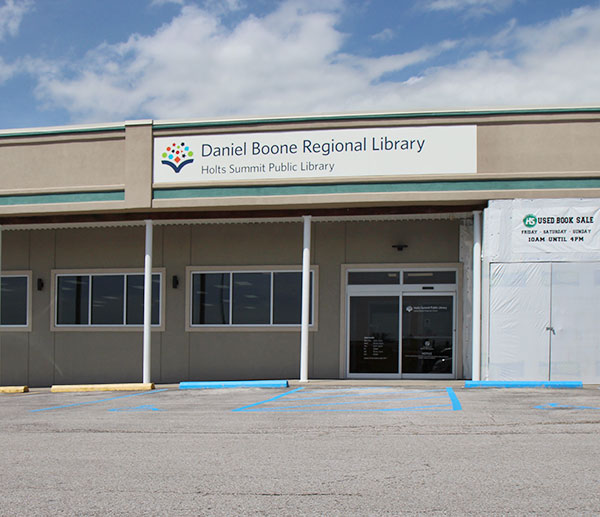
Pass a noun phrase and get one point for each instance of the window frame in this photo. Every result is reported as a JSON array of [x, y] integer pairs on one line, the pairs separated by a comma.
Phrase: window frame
[[259, 327], [27, 274], [90, 273]]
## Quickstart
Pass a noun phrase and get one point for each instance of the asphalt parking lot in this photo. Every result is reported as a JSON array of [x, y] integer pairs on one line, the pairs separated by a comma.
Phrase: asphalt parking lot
[[317, 449]]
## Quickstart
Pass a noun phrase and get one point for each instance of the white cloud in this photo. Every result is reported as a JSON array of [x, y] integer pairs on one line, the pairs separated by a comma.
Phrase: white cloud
[[164, 2], [6, 70], [384, 35], [470, 7], [291, 61], [194, 66], [11, 15]]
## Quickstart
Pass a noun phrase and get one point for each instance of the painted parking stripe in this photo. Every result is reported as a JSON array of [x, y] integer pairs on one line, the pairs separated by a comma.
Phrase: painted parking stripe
[[437, 407], [298, 403], [245, 408], [97, 401], [368, 401], [456, 406], [372, 388], [364, 393], [146, 407], [563, 406]]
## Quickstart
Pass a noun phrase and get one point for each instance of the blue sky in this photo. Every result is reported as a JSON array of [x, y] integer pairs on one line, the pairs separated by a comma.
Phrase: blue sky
[[95, 61]]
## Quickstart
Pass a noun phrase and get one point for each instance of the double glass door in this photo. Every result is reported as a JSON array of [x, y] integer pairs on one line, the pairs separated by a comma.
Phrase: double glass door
[[406, 334]]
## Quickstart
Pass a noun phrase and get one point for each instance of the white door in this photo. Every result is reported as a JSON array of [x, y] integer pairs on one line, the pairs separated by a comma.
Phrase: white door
[[519, 335], [545, 322], [575, 339]]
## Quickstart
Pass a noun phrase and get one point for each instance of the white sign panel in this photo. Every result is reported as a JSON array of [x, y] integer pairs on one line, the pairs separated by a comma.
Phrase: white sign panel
[[556, 229], [315, 155]]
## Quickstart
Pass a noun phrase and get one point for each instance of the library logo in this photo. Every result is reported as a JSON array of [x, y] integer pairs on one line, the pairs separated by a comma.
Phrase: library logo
[[177, 156]]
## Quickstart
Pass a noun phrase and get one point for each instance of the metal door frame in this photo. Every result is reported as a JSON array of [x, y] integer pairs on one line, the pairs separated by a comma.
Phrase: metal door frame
[[399, 290]]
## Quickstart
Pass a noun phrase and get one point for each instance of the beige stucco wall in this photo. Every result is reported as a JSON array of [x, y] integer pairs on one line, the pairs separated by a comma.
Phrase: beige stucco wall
[[61, 163], [568, 147], [535, 145], [530, 146], [79, 163]]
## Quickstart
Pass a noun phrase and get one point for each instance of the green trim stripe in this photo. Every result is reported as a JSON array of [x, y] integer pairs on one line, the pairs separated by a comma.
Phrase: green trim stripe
[[308, 118], [69, 197], [59, 131], [353, 188], [374, 116]]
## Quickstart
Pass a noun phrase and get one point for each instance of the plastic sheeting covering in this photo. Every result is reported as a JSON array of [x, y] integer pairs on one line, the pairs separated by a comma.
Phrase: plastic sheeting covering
[[575, 343], [509, 236], [545, 321], [519, 315]]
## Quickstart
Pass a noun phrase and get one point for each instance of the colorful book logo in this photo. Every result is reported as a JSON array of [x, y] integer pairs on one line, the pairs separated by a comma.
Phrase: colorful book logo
[[177, 156]]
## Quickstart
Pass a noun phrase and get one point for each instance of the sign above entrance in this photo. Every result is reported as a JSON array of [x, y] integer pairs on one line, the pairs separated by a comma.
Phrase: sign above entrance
[[315, 155], [556, 229]]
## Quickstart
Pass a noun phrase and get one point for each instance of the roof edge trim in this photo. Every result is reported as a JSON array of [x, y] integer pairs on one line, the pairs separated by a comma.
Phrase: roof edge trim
[[371, 116], [167, 124]]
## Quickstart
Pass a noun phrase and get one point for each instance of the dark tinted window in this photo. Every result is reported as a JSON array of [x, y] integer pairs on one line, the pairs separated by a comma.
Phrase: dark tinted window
[[135, 299], [13, 304], [72, 300], [251, 298], [373, 277], [430, 277], [287, 298], [107, 299], [210, 298]]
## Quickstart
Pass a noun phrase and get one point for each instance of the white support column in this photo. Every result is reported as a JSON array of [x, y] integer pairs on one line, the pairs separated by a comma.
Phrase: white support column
[[476, 357], [147, 303], [0, 268], [305, 301], [1, 281]]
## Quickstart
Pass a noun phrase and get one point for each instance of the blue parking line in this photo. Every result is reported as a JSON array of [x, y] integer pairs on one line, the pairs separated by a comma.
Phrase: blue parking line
[[268, 400], [371, 388], [145, 407], [523, 384], [563, 406], [368, 401], [96, 401], [195, 385], [299, 405], [437, 407], [456, 406], [353, 395]]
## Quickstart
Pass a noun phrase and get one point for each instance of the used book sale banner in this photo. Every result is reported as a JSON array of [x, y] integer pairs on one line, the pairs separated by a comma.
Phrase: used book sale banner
[[556, 229]]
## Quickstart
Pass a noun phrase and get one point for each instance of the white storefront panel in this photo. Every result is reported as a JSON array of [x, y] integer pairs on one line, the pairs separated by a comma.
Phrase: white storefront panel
[[542, 286], [519, 316], [575, 340]]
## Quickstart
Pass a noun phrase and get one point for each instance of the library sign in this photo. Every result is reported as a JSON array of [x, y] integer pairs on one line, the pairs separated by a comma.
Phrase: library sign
[[315, 155], [556, 229]]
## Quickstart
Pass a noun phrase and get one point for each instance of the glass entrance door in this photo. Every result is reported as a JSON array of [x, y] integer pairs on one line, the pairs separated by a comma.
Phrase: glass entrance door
[[427, 334], [401, 323], [373, 334]]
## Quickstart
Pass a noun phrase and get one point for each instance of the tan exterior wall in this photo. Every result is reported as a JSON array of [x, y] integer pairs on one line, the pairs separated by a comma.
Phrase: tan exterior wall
[[44, 357], [61, 164], [569, 148], [87, 162], [107, 172]]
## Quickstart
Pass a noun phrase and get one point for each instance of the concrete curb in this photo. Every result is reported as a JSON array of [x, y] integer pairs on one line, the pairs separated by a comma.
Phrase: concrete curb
[[132, 386], [14, 389], [191, 385], [523, 384]]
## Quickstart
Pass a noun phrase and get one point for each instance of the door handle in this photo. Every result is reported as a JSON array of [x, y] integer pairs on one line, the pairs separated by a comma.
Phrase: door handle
[[552, 330]]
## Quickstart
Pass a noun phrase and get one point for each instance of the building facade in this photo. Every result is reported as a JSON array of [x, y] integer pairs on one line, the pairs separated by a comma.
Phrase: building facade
[[320, 247]]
